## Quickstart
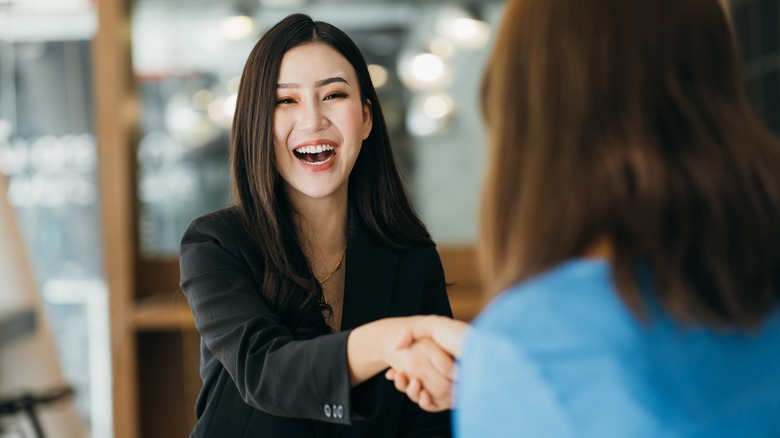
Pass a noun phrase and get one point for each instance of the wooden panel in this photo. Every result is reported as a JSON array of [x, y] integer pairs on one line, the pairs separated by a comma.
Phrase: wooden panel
[[173, 314], [462, 275], [158, 277], [113, 105]]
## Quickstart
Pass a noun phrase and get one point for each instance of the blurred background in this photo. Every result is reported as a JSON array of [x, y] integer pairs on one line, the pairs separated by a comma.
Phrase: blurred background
[[114, 124]]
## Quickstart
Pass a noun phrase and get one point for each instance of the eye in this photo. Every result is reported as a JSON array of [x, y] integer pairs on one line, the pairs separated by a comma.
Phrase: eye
[[336, 95], [284, 101]]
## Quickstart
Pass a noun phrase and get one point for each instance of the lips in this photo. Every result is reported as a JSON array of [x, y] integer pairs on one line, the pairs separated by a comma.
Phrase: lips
[[315, 154]]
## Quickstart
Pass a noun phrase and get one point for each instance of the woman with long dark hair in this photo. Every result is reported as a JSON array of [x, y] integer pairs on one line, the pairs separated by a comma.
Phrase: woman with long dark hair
[[292, 287]]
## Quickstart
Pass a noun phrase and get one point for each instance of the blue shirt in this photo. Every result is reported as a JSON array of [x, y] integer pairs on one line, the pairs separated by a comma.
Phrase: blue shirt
[[561, 356]]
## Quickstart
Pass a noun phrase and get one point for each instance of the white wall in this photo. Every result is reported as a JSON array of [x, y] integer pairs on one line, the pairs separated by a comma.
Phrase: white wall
[[449, 167]]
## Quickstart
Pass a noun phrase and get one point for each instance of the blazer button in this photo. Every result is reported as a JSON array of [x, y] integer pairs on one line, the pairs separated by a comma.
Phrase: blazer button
[[327, 411], [340, 412]]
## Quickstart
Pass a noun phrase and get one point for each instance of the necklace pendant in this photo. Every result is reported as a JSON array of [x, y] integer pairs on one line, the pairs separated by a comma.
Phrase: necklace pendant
[[335, 268]]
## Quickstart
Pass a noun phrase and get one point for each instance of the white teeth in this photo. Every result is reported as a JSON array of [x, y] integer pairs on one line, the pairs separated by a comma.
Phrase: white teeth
[[314, 149], [319, 163]]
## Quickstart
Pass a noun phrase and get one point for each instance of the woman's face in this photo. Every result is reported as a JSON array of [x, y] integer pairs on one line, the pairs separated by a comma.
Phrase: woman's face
[[319, 122]]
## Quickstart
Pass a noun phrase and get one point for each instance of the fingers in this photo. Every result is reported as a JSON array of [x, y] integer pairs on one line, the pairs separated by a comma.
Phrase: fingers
[[405, 339], [433, 367], [426, 403], [448, 333], [438, 366], [445, 332], [401, 382], [424, 399], [413, 390], [424, 366], [442, 362]]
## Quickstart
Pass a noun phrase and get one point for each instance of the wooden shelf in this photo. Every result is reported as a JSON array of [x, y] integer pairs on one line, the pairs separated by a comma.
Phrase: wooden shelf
[[162, 315], [158, 315], [460, 271]]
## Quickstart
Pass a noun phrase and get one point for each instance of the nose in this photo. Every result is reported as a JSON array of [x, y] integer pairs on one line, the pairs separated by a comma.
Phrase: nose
[[312, 116]]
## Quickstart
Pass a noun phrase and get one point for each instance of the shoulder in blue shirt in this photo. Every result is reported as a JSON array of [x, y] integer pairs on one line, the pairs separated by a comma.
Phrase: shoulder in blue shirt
[[561, 356]]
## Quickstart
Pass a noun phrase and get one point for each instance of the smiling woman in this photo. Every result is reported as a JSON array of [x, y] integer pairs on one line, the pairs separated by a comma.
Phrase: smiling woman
[[302, 289], [320, 122]]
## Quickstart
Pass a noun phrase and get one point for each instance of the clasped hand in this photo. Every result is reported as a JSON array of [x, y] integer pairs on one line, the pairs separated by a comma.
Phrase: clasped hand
[[423, 365]]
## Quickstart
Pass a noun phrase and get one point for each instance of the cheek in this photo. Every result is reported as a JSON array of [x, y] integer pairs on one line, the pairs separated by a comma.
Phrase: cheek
[[353, 123], [281, 134], [278, 150], [280, 145], [279, 129]]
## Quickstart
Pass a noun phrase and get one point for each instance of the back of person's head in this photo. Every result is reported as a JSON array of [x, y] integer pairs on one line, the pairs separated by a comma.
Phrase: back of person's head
[[627, 120]]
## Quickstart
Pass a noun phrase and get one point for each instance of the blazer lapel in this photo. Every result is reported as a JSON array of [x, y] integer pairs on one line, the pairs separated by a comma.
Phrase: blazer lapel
[[370, 279]]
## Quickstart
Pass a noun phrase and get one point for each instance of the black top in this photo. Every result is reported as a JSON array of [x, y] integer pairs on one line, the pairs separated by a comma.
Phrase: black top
[[259, 380]]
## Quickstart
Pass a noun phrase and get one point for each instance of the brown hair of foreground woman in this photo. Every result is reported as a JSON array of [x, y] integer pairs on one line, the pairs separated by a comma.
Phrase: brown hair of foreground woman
[[617, 130]]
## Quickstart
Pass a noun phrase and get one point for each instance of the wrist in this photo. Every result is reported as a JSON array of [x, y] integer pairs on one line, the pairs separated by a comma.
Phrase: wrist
[[387, 338], [371, 348]]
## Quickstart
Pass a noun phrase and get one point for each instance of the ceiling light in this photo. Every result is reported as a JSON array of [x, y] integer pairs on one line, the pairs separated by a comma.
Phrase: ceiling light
[[378, 75], [429, 114], [423, 71], [237, 27], [442, 47], [438, 105], [462, 29]]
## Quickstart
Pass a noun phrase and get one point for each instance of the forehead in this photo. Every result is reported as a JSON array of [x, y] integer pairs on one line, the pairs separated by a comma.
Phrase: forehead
[[312, 62]]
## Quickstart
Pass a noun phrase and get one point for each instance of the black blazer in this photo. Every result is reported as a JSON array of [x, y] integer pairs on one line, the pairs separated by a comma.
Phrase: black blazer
[[259, 381]]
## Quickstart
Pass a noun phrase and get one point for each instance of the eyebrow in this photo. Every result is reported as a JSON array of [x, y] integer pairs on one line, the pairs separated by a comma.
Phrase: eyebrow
[[320, 83]]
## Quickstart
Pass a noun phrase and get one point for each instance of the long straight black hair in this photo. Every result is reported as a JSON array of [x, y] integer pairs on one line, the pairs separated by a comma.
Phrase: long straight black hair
[[376, 194]]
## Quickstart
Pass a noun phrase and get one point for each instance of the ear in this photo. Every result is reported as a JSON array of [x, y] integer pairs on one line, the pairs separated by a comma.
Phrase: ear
[[368, 120]]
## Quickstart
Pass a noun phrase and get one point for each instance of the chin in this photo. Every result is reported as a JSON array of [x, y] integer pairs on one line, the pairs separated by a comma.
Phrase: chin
[[316, 190], [317, 193]]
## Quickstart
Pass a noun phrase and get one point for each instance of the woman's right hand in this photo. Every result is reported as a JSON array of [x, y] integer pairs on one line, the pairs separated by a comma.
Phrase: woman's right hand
[[419, 348], [446, 334], [424, 365]]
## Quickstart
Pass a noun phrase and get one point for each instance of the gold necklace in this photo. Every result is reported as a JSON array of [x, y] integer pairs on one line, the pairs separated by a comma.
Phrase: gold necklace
[[334, 269]]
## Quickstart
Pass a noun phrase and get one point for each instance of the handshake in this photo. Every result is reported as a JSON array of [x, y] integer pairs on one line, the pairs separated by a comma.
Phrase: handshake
[[422, 361]]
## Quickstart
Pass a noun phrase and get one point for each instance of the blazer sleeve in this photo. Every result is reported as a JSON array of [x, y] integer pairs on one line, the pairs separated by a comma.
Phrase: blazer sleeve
[[270, 368], [417, 423]]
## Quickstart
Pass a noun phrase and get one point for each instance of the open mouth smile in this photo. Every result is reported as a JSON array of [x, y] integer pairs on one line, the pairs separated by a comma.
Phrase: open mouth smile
[[315, 155]]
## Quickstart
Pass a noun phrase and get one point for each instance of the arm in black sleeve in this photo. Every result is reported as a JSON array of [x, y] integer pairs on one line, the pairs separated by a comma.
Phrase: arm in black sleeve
[[268, 366]]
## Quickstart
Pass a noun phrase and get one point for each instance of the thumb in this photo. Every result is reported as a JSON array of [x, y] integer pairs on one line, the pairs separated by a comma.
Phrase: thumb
[[405, 339]]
